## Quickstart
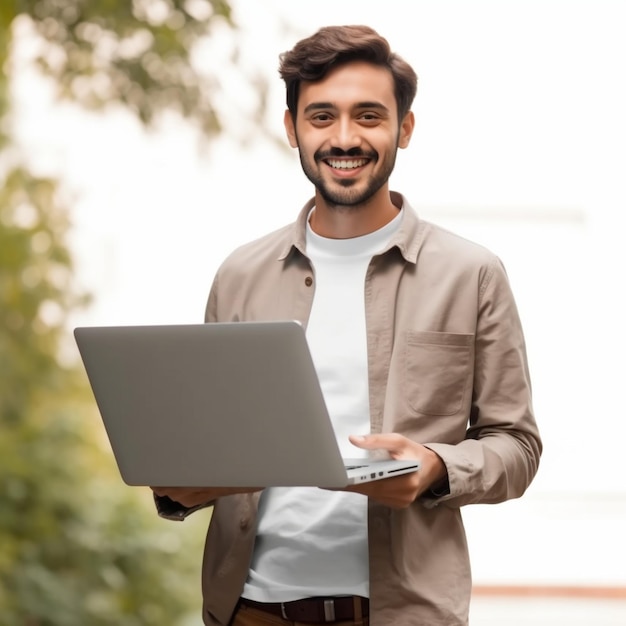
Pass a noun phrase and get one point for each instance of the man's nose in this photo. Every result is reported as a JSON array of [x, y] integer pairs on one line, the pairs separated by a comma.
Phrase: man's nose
[[346, 135]]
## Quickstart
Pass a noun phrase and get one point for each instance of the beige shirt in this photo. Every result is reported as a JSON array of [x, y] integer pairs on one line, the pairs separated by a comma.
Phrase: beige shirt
[[447, 368]]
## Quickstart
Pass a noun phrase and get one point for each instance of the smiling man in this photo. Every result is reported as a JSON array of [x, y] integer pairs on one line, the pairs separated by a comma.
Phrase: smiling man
[[348, 130], [420, 354]]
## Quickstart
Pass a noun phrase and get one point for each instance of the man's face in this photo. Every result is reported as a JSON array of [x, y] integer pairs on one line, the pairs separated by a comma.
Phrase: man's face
[[347, 132]]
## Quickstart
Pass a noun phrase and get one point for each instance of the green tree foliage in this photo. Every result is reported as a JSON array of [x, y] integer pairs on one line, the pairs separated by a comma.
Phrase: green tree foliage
[[77, 547], [139, 53]]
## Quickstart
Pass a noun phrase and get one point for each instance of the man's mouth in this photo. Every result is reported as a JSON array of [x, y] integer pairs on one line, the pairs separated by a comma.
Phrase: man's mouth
[[341, 164]]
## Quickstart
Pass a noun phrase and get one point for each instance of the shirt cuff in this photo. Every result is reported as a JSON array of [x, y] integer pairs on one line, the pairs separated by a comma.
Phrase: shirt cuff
[[175, 511], [440, 488]]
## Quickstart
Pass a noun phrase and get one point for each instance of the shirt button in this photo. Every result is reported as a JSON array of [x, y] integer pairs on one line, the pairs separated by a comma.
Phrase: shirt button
[[308, 281]]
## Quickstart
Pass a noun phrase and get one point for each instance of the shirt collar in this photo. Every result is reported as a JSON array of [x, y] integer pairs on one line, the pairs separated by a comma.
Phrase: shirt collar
[[407, 239]]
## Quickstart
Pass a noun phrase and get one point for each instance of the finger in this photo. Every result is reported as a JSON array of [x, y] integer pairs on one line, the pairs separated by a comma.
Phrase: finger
[[391, 442]]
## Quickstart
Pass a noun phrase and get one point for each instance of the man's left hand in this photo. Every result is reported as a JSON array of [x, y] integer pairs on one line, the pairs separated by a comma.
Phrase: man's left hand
[[399, 492]]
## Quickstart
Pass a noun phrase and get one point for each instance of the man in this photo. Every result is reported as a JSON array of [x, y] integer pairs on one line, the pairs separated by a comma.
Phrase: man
[[420, 353]]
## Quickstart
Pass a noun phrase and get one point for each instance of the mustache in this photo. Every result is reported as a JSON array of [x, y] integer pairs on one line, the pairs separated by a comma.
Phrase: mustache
[[354, 153]]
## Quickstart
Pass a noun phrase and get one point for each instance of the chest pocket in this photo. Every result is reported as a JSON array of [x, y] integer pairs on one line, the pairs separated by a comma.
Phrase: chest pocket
[[437, 368]]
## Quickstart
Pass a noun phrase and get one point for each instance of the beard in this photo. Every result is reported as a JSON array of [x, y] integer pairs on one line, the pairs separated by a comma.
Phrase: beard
[[347, 193]]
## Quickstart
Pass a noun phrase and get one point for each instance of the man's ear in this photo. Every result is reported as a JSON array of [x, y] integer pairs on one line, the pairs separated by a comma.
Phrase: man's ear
[[290, 128], [406, 130]]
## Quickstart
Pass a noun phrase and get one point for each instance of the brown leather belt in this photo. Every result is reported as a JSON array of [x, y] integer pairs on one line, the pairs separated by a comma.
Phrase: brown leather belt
[[315, 610]]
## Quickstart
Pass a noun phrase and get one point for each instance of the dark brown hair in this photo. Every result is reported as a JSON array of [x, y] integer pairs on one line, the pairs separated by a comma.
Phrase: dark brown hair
[[312, 58]]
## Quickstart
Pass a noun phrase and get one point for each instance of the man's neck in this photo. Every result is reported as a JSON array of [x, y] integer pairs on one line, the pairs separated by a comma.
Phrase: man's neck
[[346, 222]]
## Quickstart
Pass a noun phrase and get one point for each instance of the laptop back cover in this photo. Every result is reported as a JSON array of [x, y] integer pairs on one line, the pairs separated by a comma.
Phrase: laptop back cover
[[228, 404]]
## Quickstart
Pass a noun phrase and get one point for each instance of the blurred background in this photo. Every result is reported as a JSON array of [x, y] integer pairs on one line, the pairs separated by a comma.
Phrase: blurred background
[[142, 141]]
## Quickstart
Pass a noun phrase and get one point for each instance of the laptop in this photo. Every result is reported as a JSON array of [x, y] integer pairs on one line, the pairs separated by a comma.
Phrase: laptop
[[234, 404]]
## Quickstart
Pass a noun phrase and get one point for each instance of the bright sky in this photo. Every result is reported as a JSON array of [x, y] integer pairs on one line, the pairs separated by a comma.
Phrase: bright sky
[[520, 144]]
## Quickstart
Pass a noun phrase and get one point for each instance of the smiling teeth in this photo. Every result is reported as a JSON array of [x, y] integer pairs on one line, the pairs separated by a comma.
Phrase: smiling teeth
[[347, 165]]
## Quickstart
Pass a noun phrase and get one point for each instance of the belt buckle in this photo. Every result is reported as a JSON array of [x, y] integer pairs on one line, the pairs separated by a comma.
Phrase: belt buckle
[[329, 610]]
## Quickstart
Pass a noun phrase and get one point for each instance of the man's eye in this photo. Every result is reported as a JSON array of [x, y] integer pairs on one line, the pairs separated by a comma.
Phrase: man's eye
[[321, 117]]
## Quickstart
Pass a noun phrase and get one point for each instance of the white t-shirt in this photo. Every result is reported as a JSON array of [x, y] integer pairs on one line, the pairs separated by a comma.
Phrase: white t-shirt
[[313, 542]]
